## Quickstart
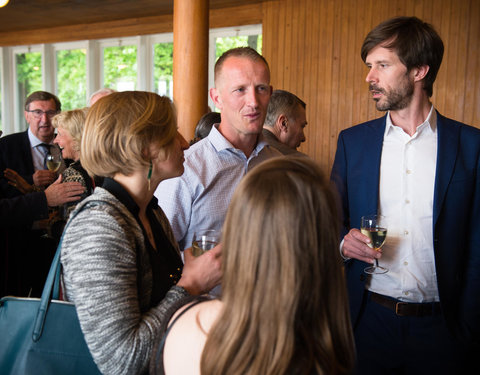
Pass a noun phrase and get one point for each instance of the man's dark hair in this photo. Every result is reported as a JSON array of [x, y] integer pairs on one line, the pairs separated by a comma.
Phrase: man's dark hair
[[42, 96], [283, 102], [246, 52], [205, 124], [415, 42]]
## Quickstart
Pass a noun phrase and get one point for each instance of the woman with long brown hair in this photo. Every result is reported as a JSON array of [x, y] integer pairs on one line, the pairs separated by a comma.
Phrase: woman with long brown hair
[[283, 308]]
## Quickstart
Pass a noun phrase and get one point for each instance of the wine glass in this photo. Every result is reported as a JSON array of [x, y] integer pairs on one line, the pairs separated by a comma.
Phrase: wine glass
[[375, 228], [54, 159], [204, 240]]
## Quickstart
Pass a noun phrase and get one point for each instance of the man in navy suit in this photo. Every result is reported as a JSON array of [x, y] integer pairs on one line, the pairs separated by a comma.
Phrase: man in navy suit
[[421, 171]]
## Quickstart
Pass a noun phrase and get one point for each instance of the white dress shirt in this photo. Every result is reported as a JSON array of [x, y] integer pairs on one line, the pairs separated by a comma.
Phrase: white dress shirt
[[407, 179]]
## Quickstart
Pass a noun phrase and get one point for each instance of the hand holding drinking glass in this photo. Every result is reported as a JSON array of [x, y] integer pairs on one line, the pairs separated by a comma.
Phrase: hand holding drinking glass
[[375, 228], [204, 240]]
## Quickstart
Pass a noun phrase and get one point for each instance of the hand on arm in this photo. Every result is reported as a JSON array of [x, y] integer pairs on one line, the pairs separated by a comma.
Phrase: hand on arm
[[203, 273], [18, 181], [355, 245], [59, 193]]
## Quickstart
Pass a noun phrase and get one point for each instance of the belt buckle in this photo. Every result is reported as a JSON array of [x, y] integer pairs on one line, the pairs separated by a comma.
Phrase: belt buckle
[[397, 309]]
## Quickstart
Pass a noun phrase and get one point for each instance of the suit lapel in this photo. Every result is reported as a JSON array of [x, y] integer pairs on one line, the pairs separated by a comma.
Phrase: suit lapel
[[27, 154], [446, 155], [373, 153]]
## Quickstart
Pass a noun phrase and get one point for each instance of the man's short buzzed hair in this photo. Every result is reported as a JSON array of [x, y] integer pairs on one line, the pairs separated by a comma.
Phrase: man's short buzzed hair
[[282, 102], [246, 52]]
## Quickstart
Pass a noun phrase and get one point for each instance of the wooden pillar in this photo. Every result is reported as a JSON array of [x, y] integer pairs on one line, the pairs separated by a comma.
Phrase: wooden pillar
[[190, 62]]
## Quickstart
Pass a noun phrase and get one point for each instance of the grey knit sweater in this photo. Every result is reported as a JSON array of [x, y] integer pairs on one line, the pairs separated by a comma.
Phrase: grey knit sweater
[[107, 274]]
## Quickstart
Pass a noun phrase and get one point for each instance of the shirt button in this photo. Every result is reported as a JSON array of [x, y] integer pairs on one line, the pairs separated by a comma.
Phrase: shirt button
[[407, 201], [406, 293], [405, 263], [409, 171], [405, 233]]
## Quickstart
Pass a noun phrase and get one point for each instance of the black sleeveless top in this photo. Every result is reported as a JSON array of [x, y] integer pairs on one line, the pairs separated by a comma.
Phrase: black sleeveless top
[[166, 263]]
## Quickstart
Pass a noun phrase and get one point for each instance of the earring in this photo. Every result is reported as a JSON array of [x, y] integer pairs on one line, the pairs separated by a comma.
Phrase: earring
[[149, 176]]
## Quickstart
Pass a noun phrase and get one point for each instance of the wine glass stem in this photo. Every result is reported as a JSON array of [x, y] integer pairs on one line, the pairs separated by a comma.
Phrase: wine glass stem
[[376, 263]]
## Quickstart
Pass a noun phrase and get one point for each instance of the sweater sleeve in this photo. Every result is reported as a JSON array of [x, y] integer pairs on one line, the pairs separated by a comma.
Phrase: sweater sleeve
[[100, 273]]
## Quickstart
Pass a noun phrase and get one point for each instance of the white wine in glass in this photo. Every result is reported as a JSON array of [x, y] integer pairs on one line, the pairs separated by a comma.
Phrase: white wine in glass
[[375, 228], [53, 162]]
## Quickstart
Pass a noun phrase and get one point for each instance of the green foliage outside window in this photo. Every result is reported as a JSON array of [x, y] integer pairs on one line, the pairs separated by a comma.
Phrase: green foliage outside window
[[29, 74], [72, 78], [120, 67], [163, 68], [226, 43]]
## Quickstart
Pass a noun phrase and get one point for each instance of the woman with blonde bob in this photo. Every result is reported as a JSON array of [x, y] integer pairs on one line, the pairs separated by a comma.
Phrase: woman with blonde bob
[[69, 125], [283, 308], [121, 265]]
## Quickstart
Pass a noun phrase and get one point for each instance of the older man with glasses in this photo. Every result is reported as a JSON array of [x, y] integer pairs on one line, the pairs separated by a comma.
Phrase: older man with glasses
[[25, 152], [25, 251]]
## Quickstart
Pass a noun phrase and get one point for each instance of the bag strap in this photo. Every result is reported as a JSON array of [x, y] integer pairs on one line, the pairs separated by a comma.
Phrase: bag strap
[[52, 283]]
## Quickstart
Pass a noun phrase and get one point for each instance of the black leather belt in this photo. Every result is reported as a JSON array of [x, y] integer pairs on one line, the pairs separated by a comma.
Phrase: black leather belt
[[406, 308]]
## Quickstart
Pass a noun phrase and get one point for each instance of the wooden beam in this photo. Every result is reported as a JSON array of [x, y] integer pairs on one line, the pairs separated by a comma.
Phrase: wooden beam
[[190, 62], [248, 14]]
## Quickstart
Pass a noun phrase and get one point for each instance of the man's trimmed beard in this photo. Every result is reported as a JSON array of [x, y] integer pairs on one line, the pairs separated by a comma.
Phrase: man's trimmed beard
[[395, 99]]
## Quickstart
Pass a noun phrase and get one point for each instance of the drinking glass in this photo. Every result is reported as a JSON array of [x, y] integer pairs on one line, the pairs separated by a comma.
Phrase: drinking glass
[[375, 227], [204, 240], [54, 159]]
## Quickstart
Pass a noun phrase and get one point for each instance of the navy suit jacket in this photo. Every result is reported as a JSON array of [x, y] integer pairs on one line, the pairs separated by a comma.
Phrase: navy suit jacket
[[16, 154], [456, 214]]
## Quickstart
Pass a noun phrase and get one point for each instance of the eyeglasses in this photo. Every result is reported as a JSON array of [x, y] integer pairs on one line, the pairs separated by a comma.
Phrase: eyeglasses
[[38, 113]]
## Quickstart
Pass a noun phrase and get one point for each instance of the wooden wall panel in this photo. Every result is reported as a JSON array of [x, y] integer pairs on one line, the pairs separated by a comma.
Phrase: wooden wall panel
[[313, 47]]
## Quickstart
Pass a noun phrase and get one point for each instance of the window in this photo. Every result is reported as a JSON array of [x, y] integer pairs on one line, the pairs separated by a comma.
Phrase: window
[[29, 76], [73, 71], [120, 67], [163, 69], [71, 77]]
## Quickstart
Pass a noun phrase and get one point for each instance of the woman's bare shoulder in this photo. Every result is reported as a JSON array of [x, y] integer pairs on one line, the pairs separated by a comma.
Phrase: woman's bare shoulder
[[185, 341]]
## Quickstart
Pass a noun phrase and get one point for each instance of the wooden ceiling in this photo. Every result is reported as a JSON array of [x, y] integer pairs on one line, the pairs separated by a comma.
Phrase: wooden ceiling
[[20, 15]]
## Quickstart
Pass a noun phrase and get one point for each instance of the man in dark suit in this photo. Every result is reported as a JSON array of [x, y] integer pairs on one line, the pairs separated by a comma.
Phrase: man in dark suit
[[421, 171], [285, 122], [25, 152], [18, 214], [26, 252]]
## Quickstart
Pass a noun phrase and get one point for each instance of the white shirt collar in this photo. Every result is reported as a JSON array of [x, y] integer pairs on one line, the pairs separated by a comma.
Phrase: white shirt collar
[[34, 141], [429, 123]]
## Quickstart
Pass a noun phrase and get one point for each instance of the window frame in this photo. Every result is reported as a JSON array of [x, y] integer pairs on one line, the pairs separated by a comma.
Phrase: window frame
[[13, 122]]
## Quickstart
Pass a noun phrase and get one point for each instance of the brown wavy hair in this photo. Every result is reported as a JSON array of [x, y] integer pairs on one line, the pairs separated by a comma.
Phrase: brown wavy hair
[[415, 42], [283, 290], [121, 126]]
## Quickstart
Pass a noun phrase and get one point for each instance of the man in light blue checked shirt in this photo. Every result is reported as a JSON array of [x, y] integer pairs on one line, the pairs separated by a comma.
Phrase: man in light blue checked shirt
[[215, 165]]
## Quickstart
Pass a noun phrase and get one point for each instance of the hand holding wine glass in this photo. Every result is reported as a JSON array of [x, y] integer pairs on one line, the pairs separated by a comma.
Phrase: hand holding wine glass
[[375, 228], [204, 240]]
